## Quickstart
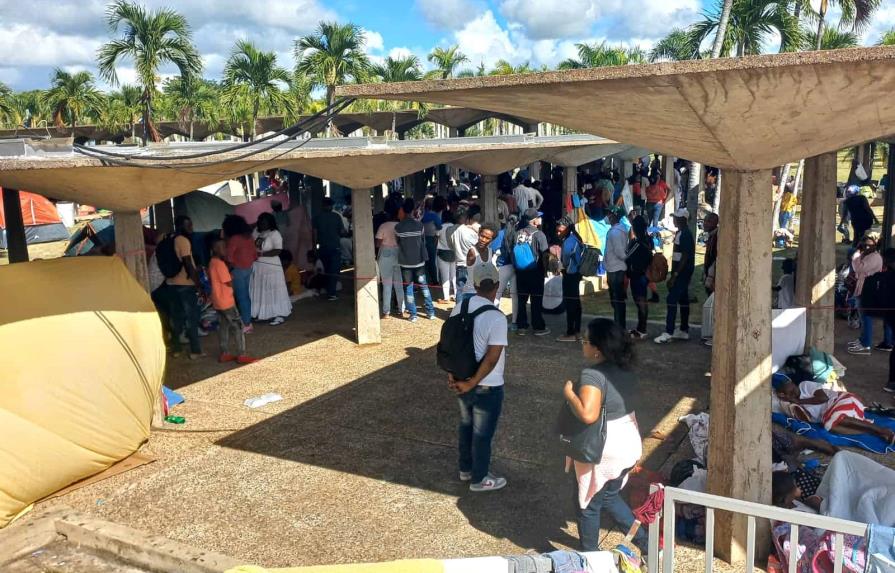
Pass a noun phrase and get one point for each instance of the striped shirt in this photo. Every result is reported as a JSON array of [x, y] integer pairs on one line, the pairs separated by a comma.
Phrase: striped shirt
[[411, 244]]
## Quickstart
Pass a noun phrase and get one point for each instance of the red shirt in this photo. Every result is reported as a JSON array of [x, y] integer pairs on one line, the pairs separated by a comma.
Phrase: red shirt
[[657, 193], [241, 252]]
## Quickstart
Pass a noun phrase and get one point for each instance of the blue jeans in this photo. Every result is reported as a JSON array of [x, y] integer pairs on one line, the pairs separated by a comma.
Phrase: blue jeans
[[653, 212], [331, 257], [678, 295], [241, 280], [462, 277], [479, 411], [416, 275], [608, 499], [784, 219], [867, 328]]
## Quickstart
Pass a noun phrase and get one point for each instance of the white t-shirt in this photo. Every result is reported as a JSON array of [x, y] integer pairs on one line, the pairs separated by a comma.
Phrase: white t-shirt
[[270, 240], [527, 198], [786, 295], [490, 329], [443, 235], [463, 239], [552, 292]]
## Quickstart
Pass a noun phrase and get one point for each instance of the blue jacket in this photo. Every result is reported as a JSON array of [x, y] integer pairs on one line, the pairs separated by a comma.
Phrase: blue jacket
[[572, 250]]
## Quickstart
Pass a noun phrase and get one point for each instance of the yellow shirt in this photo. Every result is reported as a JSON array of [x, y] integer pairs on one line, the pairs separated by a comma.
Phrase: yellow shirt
[[293, 280], [788, 202]]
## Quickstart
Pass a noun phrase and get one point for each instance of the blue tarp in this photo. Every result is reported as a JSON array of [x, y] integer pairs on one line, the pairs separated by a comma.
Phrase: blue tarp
[[816, 431]]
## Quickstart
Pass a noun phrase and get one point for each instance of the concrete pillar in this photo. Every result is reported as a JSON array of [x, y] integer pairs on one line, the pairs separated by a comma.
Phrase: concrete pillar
[[454, 170], [739, 455], [16, 244], [569, 186], [888, 234], [534, 169], [164, 216], [488, 200], [816, 273], [129, 244], [366, 288]]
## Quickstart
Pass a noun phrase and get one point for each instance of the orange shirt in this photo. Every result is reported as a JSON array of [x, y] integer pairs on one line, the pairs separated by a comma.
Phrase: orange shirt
[[221, 287]]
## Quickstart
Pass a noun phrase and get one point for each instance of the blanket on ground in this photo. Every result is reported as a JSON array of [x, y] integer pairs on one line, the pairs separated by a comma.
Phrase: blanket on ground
[[867, 442]]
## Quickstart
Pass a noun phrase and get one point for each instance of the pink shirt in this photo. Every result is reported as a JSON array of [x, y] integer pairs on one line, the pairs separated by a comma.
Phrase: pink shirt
[[864, 267], [386, 234]]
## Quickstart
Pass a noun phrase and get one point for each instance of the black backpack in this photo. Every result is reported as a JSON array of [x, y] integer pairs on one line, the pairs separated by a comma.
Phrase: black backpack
[[166, 257], [455, 352], [876, 294]]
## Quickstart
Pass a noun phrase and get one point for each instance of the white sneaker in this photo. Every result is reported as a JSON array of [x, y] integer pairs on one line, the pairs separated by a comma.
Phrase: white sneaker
[[681, 335], [465, 476], [663, 338], [277, 321], [490, 483]]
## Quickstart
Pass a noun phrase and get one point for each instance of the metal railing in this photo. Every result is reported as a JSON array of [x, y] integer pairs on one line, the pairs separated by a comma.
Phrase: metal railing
[[751, 511]]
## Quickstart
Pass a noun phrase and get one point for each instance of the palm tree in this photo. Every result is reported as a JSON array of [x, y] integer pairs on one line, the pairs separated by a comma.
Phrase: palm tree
[[887, 39], [675, 47], [333, 55], [7, 105], [71, 96], [253, 76], [190, 100], [752, 25], [721, 33], [855, 13], [601, 55], [478, 72], [446, 61], [505, 68], [149, 39], [300, 99], [832, 39], [111, 114], [406, 69], [29, 109], [131, 100]]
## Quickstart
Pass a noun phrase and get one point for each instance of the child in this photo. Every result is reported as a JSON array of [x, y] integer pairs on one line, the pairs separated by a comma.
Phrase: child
[[225, 305], [315, 279], [786, 286], [839, 412], [293, 278]]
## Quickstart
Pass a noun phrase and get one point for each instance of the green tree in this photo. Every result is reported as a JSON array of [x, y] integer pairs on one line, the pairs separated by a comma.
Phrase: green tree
[[150, 40], [832, 39], [332, 55], [478, 72], [252, 77], [111, 113], [404, 69], [130, 98], [190, 100], [855, 14], [7, 105], [676, 46], [446, 61], [505, 68], [601, 55], [71, 96], [887, 39], [751, 26], [29, 108]]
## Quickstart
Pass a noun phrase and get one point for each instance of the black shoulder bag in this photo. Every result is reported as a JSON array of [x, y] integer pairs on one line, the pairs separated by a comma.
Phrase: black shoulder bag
[[582, 442]]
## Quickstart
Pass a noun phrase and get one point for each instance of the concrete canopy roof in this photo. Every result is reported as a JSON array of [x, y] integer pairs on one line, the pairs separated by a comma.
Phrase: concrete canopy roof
[[736, 113], [353, 162]]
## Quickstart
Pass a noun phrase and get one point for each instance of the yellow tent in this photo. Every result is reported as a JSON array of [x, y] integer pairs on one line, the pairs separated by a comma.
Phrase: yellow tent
[[81, 363]]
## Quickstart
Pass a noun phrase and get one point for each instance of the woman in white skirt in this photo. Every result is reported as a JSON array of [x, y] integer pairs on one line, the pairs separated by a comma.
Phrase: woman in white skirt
[[270, 297]]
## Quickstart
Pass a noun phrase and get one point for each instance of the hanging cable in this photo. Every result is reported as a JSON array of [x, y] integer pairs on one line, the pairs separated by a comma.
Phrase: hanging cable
[[289, 132]]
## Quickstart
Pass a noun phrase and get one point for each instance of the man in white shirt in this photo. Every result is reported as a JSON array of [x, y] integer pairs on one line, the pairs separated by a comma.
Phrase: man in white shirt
[[615, 265], [464, 237], [481, 397], [526, 196]]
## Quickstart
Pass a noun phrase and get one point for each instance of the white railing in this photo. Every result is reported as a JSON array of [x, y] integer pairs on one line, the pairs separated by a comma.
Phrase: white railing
[[751, 511]]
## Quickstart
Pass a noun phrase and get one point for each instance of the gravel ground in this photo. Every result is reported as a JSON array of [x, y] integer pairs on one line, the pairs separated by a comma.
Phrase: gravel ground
[[358, 461]]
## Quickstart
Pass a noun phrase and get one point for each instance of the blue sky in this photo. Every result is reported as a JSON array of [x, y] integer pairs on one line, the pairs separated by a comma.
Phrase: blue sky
[[42, 34]]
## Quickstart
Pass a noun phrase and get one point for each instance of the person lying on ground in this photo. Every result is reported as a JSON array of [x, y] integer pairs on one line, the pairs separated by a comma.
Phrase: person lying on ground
[[839, 412]]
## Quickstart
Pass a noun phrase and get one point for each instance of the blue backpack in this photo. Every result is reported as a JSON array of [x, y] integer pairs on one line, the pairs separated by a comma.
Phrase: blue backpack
[[524, 256]]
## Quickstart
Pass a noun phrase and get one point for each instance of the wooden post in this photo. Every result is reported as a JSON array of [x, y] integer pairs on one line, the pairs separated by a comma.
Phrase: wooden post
[[569, 187], [366, 289], [888, 234], [488, 200], [816, 271], [739, 455], [129, 244], [164, 216], [16, 243]]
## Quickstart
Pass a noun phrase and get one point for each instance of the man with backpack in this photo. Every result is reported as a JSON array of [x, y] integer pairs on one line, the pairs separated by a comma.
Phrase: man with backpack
[[683, 263], [529, 246], [174, 255], [481, 395]]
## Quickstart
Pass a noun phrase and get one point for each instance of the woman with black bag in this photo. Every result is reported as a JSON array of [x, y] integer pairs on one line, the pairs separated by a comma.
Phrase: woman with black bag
[[599, 433]]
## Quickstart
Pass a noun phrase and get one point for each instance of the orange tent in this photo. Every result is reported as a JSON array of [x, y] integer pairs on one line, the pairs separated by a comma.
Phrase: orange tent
[[42, 222]]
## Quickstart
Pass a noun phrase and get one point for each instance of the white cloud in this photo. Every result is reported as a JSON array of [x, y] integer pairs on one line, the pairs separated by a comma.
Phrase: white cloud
[[398, 53], [449, 14], [375, 42], [883, 21], [483, 40], [29, 45], [552, 18]]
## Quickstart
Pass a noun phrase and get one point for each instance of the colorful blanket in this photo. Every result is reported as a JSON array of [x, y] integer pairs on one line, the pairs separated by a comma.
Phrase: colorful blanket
[[867, 442]]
